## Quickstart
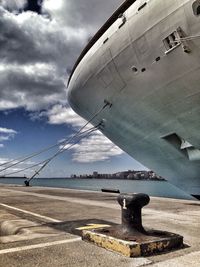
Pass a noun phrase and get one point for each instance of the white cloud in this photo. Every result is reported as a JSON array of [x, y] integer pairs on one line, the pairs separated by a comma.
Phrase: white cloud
[[3, 160], [1, 145], [60, 114], [52, 6], [6, 134], [4, 138], [95, 148], [17, 168], [7, 131]]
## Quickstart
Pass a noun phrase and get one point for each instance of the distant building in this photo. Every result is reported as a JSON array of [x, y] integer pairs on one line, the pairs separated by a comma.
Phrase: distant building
[[95, 174], [129, 175]]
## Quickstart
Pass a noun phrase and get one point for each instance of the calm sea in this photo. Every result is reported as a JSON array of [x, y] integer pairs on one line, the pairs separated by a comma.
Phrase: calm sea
[[153, 188]]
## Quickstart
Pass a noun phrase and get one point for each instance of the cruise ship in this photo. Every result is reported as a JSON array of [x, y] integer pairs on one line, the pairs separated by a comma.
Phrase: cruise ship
[[145, 62]]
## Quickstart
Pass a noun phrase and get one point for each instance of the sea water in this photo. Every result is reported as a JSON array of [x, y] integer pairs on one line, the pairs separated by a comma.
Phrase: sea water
[[152, 188]]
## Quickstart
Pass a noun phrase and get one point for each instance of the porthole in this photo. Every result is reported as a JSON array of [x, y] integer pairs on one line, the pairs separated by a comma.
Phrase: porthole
[[134, 69], [142, 6], [196, 7], [106, 40]]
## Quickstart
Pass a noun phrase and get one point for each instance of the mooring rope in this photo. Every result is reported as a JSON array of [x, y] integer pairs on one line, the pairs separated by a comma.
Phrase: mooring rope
[[188, 38], [35, 154], [32, 155], [29, 156], [44, 163], [74, 136]]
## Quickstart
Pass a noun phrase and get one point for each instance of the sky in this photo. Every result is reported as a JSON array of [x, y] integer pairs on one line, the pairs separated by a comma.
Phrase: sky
[[40, 41]]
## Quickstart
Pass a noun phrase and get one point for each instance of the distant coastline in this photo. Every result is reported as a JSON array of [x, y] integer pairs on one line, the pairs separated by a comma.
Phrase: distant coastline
[[114, 178], [86, 178], [124, 175], [13, 177]]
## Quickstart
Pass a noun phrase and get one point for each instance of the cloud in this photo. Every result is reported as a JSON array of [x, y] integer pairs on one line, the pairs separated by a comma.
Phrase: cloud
[[6, 134], [37, 53], [13, 5], [3, 160], [32, 87], [36, 56], [95, 148], [7, 131], [4, 138], [17, 168], [92, 148], [85, 14], [60, 114]]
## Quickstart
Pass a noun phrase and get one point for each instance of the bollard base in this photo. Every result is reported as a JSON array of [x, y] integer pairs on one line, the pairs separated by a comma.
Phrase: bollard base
[[134, 245]]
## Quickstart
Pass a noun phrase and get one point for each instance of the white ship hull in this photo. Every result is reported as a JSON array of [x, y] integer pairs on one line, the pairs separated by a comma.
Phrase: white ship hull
[[154, 88]]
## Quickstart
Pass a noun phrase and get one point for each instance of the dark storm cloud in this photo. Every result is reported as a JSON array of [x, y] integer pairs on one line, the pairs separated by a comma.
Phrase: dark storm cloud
[[87, 14], [37, 53], [29, 38], [32, 90]]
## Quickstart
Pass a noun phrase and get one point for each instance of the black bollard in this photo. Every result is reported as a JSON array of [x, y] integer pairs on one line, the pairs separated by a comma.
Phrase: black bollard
[[131, 207], [130, 238]]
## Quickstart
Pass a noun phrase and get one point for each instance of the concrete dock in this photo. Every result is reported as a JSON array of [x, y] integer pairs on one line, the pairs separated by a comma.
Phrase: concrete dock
[[41, 226]]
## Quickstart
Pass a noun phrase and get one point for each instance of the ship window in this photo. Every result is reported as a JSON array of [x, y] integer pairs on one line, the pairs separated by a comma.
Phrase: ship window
[[171, 41], [196, 8], [134, 69], [105, 40], [142, 6]]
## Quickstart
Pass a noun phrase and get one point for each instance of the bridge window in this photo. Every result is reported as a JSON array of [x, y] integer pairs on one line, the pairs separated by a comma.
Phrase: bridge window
[[196, 8]]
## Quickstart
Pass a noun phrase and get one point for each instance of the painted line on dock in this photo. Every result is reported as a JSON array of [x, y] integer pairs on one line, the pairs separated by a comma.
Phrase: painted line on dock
[[30, 213], [95, 203], [81, 201], [41, 245]]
